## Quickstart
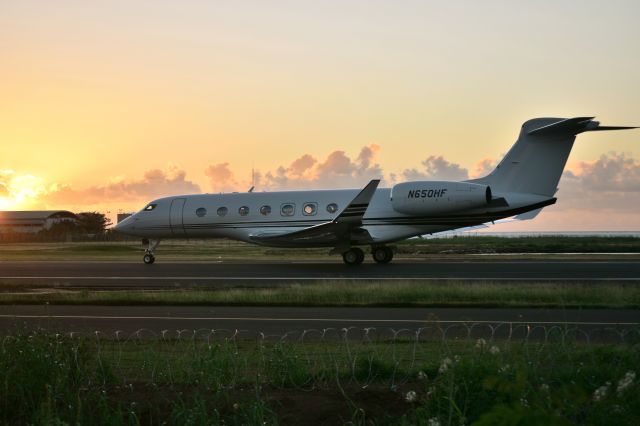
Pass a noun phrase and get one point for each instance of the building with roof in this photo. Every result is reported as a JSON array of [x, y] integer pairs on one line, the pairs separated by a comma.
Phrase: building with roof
[[33, 221]]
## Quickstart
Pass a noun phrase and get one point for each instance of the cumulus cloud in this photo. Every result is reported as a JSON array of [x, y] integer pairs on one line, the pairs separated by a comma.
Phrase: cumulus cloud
[[338, 170], [484, 167], [437, 168], [611, 172], [154, 183], [221, 177], [609, 184], [303, 165]]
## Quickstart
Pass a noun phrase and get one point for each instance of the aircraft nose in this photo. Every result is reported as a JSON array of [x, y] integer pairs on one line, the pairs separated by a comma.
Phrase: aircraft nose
[[124, 225]]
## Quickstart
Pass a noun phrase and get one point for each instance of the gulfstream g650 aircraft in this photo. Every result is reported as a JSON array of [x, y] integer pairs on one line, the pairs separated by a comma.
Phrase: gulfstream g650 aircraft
[[522, 184]]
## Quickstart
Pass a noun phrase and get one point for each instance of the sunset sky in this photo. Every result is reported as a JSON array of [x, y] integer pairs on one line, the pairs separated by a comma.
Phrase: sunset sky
[[105, 105]]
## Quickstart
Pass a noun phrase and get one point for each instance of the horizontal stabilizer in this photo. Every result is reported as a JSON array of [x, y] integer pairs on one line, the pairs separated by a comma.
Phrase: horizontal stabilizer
[[612, 128], [573, 126]]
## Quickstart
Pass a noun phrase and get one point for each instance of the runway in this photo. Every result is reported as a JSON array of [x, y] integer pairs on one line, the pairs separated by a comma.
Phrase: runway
[[123, 275], [250, 322]]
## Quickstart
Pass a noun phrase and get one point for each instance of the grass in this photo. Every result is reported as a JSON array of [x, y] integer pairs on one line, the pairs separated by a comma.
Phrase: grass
[[54, 379], [208, 250], [358, 293]]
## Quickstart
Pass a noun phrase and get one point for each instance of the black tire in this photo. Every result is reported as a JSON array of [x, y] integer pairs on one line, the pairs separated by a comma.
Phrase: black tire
[[354, 256], [148, 259], [382, 254]]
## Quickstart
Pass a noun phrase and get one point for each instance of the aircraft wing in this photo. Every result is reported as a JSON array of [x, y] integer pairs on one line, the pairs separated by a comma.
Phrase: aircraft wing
[[343, 229]]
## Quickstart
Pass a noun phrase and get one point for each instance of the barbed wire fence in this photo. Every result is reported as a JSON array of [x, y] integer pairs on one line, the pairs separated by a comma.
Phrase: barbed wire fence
[[452, 370], [319, 358]]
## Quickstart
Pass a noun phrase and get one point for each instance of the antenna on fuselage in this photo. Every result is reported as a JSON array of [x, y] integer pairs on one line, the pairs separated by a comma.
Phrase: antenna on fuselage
[[253, 179]]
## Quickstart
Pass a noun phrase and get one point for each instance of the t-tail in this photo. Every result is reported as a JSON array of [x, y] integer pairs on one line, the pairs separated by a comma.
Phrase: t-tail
[[535, 163]]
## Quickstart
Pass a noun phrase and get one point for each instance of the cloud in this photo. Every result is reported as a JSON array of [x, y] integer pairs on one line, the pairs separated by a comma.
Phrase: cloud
[[302, 165], [155, 183], [609, 184], [484, 167], [221, 177], [20, 190], [437, 168], [338, 170], [611, 172]]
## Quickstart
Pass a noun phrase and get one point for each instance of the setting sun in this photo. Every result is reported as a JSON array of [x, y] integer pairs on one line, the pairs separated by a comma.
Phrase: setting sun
[[20, 192]]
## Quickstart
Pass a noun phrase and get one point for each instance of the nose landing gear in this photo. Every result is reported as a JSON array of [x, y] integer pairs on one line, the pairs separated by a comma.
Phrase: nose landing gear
[[148, 257]]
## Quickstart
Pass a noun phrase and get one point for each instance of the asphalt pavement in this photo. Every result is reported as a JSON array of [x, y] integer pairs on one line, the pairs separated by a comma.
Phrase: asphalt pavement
[[220, 274]]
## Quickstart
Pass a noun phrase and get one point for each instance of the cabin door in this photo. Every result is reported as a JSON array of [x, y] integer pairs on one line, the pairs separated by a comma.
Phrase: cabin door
[[175, 217]]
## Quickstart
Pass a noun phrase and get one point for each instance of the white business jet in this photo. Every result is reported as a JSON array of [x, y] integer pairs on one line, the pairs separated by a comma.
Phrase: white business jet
[[522, 184]]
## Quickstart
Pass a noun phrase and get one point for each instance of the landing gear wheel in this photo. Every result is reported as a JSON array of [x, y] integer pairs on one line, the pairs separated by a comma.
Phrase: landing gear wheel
[[382, 254], [152, 245], [353, 256]]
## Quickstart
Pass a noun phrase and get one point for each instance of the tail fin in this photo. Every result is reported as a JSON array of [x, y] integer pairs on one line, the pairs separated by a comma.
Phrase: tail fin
[[534, 164]]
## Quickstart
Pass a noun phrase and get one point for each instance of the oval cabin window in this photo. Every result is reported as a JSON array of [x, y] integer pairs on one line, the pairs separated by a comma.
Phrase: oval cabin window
[[287, 209], [309, 209], [222, 211], [265, 210], [244, 210], [201, 212], [332, 208]]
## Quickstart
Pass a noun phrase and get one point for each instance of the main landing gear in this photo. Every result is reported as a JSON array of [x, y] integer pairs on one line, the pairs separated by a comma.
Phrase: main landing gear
[[148, 257], [382, 254], [355, 255]]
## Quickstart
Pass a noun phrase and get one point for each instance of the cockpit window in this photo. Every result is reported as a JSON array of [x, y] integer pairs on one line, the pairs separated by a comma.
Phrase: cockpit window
[[150, 207]]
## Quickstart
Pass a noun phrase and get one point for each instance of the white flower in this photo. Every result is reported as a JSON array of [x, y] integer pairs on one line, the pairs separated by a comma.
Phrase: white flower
[[433, 422], [601, 392], [456, 358], [410, 396], [544, 387], [444, 366], [626, 381], [422, 375], [494, 350], [236, 406], [481, 343]]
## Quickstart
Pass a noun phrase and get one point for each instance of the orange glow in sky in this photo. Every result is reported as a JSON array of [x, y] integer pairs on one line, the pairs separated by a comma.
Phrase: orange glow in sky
[[107, 104]]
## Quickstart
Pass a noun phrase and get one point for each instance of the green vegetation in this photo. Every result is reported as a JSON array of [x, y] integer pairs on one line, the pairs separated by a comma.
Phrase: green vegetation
[[209, 378], [438, 248], [358, 293]]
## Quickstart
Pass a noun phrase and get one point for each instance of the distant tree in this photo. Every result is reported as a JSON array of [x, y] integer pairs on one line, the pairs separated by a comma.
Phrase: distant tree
[[92, 222]]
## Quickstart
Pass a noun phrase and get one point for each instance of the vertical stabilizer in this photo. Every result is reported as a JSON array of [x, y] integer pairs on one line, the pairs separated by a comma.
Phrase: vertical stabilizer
[[535, 163]]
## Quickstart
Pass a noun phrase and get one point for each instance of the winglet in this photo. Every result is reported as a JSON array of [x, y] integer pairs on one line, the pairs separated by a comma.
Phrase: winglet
[[358, 206]]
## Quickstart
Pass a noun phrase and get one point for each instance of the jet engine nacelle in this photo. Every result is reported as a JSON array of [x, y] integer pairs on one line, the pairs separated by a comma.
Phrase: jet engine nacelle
[[433, 197]]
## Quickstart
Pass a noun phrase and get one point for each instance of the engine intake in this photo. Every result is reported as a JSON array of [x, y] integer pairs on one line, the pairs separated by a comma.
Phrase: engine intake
[[434, 197]]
